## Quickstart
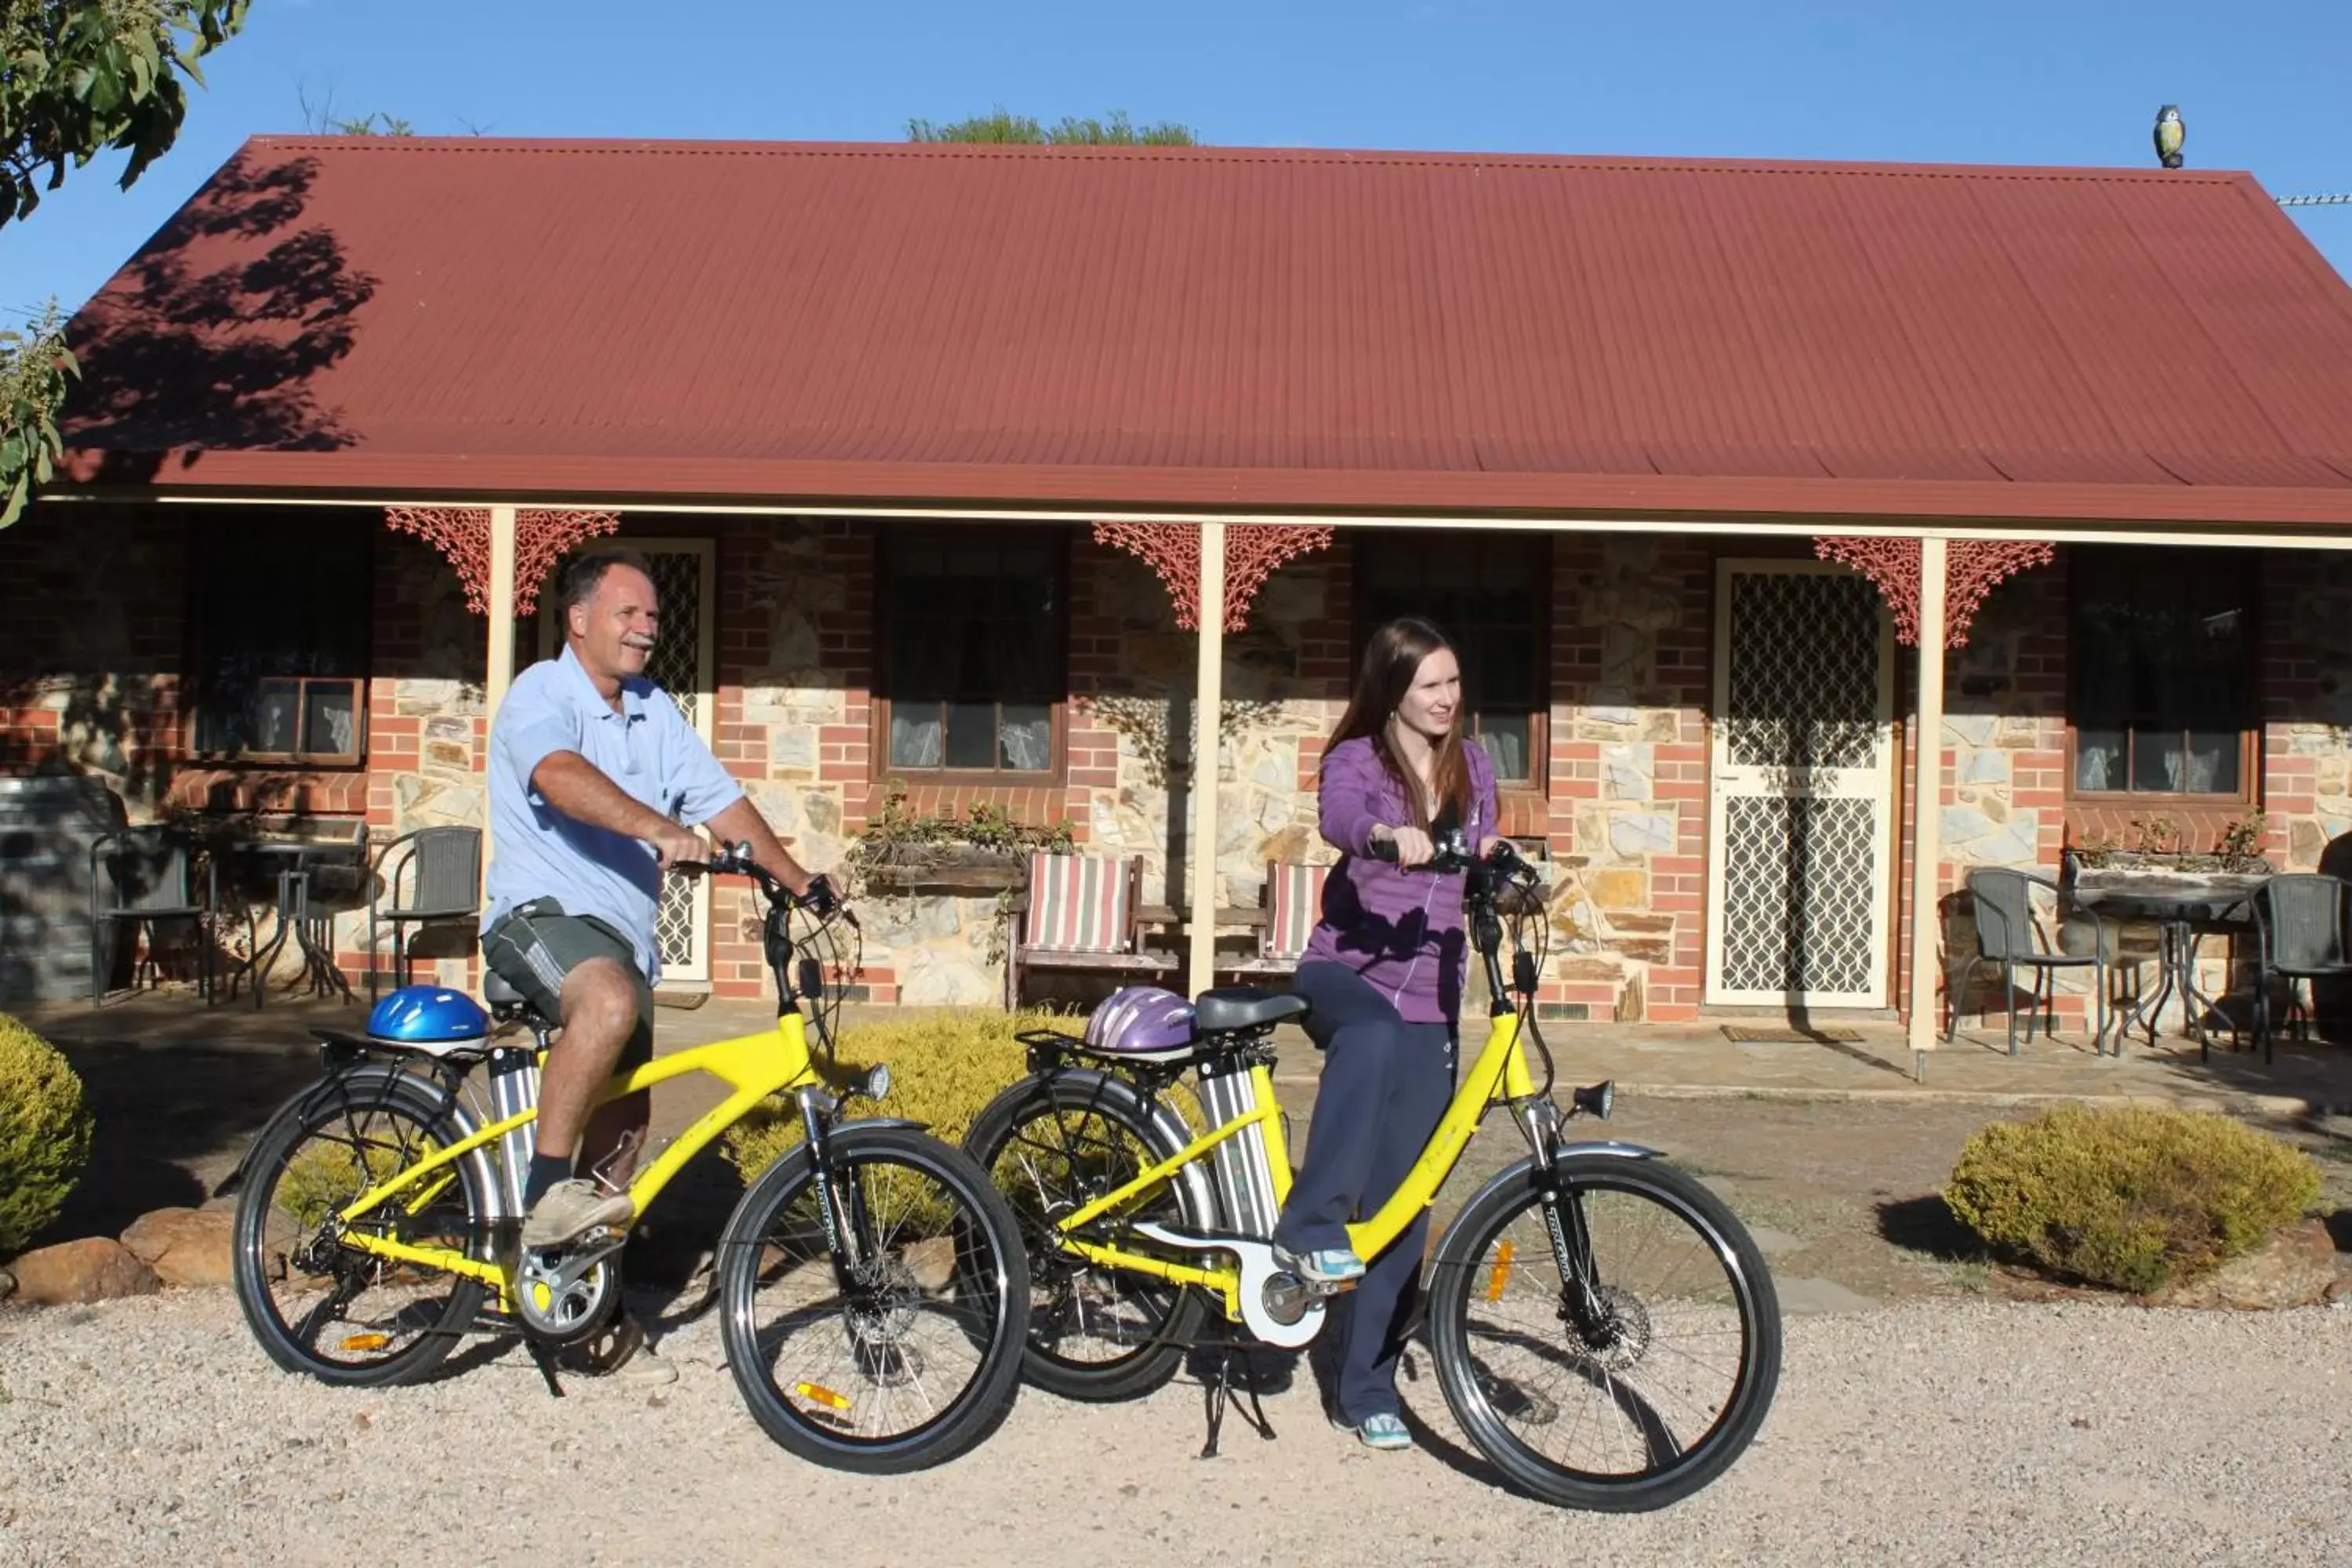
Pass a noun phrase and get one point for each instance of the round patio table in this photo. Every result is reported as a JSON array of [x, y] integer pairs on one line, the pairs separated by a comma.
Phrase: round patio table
[[2181, 915], [299, 859]]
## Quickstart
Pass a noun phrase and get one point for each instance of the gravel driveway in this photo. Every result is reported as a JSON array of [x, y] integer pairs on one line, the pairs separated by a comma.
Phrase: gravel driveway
[[154, 1431]]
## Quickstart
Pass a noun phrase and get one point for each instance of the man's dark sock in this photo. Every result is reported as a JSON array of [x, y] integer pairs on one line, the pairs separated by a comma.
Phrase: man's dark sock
[[546, 1170]]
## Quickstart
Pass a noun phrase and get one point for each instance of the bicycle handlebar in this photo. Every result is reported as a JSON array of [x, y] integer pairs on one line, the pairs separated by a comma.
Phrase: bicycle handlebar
[[1453, 854], [735, 859]]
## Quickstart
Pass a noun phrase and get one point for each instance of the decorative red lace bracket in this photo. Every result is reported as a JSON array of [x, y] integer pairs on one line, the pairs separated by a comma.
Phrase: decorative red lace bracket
[[462, 534], [1972, 569], [1253, 552]]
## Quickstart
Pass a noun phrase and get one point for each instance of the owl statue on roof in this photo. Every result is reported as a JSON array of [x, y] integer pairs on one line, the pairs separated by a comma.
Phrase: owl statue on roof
[[2169, 135]]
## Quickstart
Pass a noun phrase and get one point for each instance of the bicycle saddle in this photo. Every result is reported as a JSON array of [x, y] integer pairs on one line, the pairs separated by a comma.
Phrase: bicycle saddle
[[499, 993], [1231, 1008]]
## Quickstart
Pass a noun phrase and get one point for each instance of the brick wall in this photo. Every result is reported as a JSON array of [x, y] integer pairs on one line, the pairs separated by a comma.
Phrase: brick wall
[[91, 682]]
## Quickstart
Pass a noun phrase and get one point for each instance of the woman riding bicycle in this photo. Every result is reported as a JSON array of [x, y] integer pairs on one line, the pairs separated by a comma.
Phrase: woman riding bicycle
[[1385, 972]]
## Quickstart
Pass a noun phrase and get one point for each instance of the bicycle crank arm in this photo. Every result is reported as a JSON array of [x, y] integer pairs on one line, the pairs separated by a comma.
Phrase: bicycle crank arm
[[1277, 1306]]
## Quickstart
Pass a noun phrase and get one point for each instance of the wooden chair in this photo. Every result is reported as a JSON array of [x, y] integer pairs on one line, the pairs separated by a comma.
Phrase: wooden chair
[[1293, 902], [1082, 912]]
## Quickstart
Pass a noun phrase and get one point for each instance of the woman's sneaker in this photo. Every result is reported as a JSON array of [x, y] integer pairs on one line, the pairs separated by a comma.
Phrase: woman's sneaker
[[1382, 1431], [1333, 1265]]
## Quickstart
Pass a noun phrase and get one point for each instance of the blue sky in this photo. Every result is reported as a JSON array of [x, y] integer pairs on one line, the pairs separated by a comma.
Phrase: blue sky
[[2260, 84]]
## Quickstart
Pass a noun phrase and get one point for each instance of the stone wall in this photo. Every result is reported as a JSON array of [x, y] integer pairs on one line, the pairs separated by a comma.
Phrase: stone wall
[[92, 685]]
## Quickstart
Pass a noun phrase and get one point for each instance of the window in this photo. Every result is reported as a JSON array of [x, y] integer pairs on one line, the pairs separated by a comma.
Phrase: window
[[1488, 593], [280, 627], [2162, 649], [973, 665]]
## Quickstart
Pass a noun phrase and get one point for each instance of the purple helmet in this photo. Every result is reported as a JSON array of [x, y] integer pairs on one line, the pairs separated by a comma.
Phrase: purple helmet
[[1141, 1020]]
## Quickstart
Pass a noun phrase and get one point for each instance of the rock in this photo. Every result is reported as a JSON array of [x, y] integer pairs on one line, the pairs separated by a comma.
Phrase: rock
[[1644, 834], [95, 1268], [931, 1262], [2296, 1267], [2339, 1293], [1801, 1295], [184, 1246], [8, 1284], [1619, 889]]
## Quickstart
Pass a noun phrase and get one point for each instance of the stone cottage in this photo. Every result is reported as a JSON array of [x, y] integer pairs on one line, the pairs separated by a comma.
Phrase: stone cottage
[[918, 435]]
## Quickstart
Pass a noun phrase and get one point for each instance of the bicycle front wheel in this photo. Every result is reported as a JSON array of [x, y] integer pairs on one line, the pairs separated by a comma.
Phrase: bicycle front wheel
[[1632, 1378], [911, 1354], [319, 1306]]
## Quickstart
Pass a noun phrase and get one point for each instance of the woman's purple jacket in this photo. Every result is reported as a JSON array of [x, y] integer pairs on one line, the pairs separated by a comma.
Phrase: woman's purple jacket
[[1401, 931]]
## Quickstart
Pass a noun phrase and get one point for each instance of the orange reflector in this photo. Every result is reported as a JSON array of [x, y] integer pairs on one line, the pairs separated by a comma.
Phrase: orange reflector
[[1499, 1273], [821, 1394], [367, 1342]]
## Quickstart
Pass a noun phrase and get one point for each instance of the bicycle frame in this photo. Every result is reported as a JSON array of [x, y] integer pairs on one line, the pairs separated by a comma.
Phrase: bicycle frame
[[1498, 1077], [753, 1066]]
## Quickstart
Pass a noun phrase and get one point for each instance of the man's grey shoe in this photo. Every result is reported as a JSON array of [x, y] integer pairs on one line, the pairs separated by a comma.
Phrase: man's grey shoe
[[568, 1209]]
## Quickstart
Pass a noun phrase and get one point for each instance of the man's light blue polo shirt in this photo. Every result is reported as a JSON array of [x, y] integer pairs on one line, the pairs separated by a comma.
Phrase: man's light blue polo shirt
[[647, 748]]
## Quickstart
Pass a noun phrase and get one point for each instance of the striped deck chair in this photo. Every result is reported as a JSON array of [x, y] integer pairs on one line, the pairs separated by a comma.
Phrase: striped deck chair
[[1293, 902], [1081, 911]]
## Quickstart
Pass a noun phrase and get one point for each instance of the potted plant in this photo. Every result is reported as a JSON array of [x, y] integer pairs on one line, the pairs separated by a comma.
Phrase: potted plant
[[2155, 846], [983, 850]]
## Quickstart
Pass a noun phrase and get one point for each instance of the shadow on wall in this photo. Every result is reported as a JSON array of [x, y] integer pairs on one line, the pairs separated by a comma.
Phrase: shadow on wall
[[211, 338]]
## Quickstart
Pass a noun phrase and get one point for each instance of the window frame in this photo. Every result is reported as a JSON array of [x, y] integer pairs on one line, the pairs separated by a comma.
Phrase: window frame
[[889, 542], [2248, 565], [1544, 550], [195, 709]]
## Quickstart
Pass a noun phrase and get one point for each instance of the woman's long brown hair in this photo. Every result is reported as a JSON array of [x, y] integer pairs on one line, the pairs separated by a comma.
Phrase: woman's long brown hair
[[1391, 661]]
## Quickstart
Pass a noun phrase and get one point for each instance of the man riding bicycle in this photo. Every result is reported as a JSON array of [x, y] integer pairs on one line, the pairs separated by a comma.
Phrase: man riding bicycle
[[596, 784]]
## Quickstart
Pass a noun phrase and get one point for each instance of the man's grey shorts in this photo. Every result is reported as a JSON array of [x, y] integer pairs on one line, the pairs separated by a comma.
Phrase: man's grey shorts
[[533, 946]]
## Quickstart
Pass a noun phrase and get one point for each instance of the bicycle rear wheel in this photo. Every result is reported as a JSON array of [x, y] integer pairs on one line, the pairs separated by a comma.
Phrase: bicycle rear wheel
[[913, 1358], [1053, 1145], [320, 1307], [1634, 1379]]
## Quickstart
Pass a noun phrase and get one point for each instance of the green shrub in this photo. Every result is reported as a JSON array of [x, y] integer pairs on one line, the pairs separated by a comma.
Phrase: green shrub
[[2128, 1196], [945, 1067], [326, 1175], [44, 1132]]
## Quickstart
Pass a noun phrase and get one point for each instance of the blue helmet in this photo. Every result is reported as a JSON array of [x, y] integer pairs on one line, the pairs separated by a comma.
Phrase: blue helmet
[[427, 1016]]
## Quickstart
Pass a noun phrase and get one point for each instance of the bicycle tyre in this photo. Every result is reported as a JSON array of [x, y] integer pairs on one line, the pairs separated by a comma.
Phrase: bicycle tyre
[[384, 1089], [1152, 1365], [1752, 1290], [985, 1399]]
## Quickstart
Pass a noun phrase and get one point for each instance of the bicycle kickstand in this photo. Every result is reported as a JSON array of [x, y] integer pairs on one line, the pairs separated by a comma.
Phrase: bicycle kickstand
[[1219, 1391], [544, 1355]]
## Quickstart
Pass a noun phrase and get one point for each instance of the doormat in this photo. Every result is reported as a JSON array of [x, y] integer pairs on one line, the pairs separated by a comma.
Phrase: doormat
[[1762, 1036]]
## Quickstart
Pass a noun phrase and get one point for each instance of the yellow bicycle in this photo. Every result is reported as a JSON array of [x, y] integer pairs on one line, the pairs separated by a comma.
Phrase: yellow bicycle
[[872, 1288], [1604, 1329]]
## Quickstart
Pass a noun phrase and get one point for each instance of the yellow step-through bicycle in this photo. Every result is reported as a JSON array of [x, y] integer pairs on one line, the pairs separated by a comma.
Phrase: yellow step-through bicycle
[[1604, 1329], [872, 1288]]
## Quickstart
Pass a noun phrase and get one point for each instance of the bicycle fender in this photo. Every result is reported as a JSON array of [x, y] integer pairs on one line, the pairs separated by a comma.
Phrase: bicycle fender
[[304, 1099], [1196, 1196], [1616, 1146], [294, 1105], [1523, 1167]]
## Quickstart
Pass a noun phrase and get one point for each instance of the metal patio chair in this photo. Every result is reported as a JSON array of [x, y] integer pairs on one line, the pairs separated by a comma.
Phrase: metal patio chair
[[2010, 935], [445, 885], [146, 880], [2299, 935]]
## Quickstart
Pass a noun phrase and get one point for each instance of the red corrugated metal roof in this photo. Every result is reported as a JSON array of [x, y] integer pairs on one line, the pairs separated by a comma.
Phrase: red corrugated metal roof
[[1233, 328]]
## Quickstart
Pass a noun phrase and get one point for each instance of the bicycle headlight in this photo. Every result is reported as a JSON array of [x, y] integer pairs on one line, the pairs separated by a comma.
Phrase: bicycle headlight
[[877, 1081]]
